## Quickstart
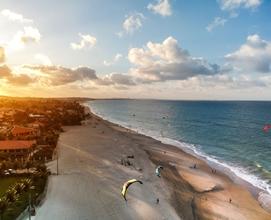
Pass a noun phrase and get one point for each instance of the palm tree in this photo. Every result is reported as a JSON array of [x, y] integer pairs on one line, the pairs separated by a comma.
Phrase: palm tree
[[18, 188], [26, 184], [42, 170], [11, 195]]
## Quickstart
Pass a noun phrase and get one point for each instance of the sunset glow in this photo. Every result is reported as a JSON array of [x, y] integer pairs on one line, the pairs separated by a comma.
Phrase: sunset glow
[[147, 49]]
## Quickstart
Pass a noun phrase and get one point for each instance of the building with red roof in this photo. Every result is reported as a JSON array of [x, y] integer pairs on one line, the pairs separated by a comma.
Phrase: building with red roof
[[17, 148], [22, 132]]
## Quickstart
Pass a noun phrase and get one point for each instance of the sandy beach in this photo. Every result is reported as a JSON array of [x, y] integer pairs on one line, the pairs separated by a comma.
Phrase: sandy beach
[[91, 176]]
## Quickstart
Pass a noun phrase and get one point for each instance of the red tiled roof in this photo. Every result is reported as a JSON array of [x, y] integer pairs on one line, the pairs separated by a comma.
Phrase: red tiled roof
[[14, 144], [17, 130]]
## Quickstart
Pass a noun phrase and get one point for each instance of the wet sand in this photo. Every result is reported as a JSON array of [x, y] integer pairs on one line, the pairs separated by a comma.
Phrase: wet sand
[[91, 178]]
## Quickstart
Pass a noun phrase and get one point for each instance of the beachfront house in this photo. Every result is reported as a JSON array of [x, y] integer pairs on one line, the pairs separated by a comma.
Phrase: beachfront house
[[20, 132], [14, 149]]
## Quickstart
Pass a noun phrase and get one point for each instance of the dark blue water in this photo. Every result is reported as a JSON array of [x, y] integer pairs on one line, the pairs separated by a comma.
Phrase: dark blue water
[[227, 132]]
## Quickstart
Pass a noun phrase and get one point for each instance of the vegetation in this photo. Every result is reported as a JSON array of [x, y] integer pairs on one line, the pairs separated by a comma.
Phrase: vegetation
[[30, 174], [16, 198]]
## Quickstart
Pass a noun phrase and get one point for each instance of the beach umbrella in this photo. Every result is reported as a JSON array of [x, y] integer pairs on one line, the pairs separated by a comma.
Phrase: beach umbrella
[[158, 170], [267, 127], [126, 186]]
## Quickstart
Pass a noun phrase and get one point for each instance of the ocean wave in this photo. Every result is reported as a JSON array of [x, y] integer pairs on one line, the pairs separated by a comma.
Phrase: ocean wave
[[230, 169]]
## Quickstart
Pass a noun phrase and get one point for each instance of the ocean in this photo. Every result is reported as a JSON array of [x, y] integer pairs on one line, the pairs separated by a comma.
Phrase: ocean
[[226, 133]]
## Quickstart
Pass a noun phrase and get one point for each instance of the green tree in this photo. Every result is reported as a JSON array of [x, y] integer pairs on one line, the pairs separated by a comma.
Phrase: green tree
[[10, 195], [18, 188], [26, 184]]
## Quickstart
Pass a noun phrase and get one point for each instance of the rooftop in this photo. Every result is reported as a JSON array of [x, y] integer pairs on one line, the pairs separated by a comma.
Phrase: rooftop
[[15, 144], [20, 130]]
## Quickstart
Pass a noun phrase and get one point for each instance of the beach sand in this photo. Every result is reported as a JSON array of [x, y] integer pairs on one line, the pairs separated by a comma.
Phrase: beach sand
[[91, 177]]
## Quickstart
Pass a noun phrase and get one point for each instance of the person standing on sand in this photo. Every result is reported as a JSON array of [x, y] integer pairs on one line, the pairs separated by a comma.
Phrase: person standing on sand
[[157, 201]]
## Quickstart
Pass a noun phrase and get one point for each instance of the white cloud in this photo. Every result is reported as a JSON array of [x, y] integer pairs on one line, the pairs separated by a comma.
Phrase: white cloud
[[235, 4], [233, 7], [167, 61], [26, 36], [132, 23], [116, 79], [43, 59], [13, 16], [119, 34], [226, 81], [218, 21], [116, 58], [253, 56], [14, 79], [161, 7], [59, 75], [86, 41]]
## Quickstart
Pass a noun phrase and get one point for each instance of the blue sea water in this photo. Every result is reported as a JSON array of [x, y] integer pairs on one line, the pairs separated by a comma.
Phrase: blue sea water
[[228, 133]]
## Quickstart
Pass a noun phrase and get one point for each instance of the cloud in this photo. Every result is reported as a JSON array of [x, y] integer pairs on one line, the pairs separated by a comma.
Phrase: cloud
[[218, 21], [253, 56], [122, 79], [43, 59], [14, 79], [2, 55], [119, 34], [132, 23], [232, 6], [116, 79], [59, 75], [226, 81], [86, 41], [20, 80], [116, 58], [27, 36], [13, 16], [235, 4], [4, 71], [161, 7], [167, 61]]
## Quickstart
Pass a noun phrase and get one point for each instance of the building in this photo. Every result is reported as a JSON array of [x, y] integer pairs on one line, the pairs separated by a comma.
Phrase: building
[[36, 125], [20, 132], [36, 116], [17, 148]]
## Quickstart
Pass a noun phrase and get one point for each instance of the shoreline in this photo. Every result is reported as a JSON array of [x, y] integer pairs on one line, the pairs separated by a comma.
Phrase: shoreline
[[238, 177], [90, 166], [223, 170]]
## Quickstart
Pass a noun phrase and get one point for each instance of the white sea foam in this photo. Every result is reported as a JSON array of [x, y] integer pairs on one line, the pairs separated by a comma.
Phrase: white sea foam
[[240, 172], [232, 168]]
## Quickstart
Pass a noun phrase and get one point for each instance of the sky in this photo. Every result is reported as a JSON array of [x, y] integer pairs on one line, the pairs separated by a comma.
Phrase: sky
[[160, 49]]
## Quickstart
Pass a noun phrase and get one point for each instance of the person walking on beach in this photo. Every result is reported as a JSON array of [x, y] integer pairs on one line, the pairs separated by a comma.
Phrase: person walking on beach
[[157, 201]]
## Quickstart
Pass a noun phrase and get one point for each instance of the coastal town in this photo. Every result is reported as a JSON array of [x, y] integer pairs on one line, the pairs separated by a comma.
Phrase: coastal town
[[29, 131]]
